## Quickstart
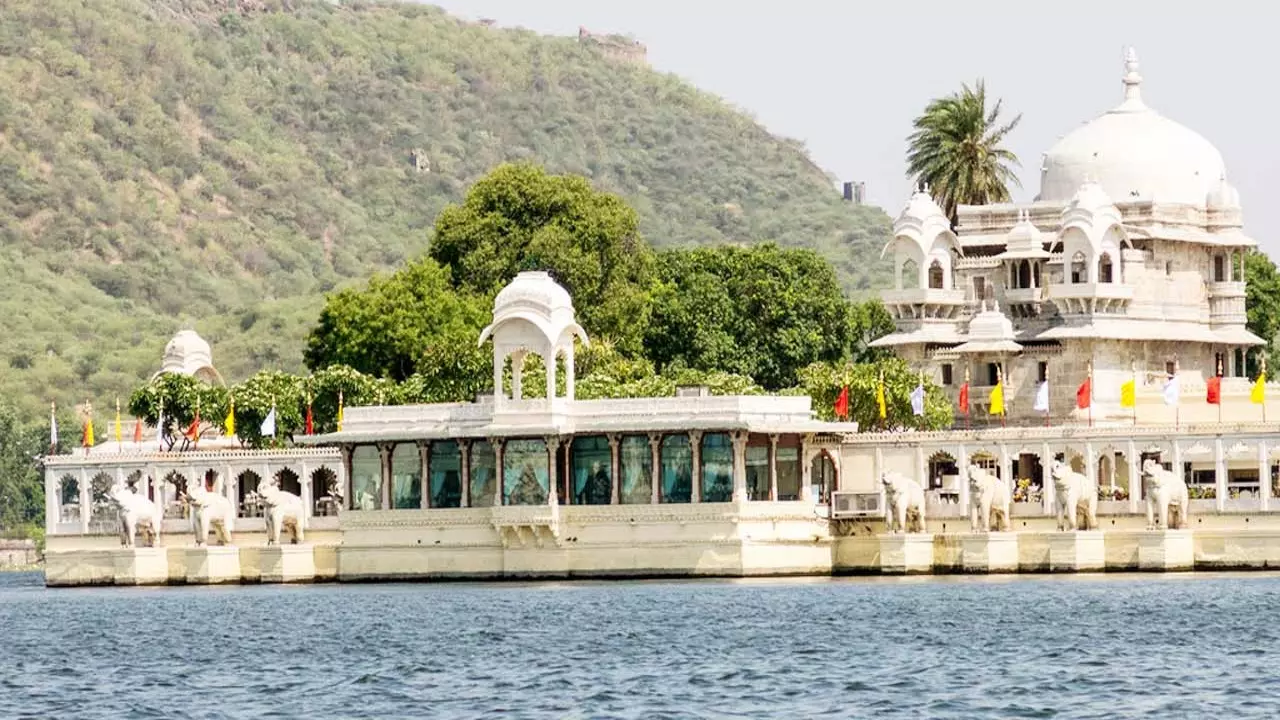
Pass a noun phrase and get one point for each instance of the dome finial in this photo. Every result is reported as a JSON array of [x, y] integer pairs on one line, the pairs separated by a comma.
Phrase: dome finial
[[1132, 80]]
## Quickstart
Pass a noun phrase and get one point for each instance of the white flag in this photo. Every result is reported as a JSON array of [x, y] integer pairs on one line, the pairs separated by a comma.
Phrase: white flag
[[917, 400], [1042, 397], [269, 425], [53, 429], [1171, 391]]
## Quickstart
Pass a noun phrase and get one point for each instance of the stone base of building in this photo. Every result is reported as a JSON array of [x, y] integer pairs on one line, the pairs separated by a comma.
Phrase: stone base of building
[[287, 564], [1077, 551], [140, 566], [906, 554], [1166, 550], [994, 552], [213, 565]]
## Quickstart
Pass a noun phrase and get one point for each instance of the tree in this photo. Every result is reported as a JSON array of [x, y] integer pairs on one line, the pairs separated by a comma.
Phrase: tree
[[764, 312], [21, 483], [871, 321], [955, 150], [1262, 304], [401, 324], [518, 217], [256, 397], [356, 388], [824, 381], [180, 397]]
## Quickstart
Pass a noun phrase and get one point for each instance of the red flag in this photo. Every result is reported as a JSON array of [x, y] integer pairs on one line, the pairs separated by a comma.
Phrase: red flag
[[1214, 388], [842, 403], [310, 427], [193, 432], [964, 398], [1084, 394], [137, 430]]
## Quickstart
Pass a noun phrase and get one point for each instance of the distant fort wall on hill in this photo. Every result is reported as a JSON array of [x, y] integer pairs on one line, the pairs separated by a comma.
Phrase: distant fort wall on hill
[[615, 47]]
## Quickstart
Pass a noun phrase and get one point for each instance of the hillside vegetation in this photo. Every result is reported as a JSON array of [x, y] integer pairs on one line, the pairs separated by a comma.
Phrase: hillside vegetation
[[194, 162]]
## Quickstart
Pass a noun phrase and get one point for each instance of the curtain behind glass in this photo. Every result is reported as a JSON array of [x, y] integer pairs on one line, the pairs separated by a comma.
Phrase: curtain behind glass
[[717, 467], [445, 468], [406, 477], [758, 472], [524, 472], [636, 460], [592, 470], [677, 469], [788, 473], [484, 474], [366, 478]]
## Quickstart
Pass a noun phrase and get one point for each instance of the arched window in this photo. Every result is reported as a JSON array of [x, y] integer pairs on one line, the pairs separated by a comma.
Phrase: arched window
[[1079, 270], [247, 484], [1104, 268], [288, 481], [325, 493], [822, 477], [935, 276], [68, 499], [909, 272], [1219, 268]]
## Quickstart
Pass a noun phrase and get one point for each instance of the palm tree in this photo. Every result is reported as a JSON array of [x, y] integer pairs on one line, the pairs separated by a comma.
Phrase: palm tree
[[955, 151]]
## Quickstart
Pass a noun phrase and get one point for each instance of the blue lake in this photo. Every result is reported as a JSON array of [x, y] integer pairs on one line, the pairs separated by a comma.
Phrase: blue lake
[[963, 647]]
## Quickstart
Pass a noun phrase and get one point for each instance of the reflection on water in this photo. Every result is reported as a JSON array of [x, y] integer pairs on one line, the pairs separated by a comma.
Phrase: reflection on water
[[1096, 646]]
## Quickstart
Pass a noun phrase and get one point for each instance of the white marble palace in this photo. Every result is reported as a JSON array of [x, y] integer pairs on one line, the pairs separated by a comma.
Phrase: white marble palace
[[1130, 258]]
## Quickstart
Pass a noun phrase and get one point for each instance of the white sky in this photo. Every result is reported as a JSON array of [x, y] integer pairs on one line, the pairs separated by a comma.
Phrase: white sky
[[848, 78]]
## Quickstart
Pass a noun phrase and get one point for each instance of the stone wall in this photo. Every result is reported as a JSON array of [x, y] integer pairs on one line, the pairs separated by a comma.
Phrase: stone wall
[[18, 554]]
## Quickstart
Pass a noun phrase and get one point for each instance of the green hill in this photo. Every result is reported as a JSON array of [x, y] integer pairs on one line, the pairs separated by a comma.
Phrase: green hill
[[223, 163]]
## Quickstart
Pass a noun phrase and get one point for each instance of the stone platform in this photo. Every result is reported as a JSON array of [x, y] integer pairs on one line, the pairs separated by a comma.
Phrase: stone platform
[[140, 566], [906, 554], [1166, 550], [213, 565], [993, 552], [1077, 551], [288, 564]]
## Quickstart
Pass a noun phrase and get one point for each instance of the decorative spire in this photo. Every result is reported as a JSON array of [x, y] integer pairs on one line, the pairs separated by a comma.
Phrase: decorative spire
[[1132, 80]]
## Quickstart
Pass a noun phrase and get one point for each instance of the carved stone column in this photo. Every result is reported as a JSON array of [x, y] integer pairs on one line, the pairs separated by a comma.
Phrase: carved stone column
[[53, 497], [739, 440], [1264, 477], [806, 467], [614, 463], [773, 467], [384, 454], [305, 491], [655, 468], [695, 442], [464, 453], [517, 374], [424, 460], [349, 489], [1135, 476], [553, 488], [500, 494], [567, 470], [86, 502]]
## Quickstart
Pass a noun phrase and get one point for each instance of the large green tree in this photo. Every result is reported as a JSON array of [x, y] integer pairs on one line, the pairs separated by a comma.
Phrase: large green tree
[[956, 150], [519, 217], [1262, 305], [764, 312], [21, 484], [824, 381]]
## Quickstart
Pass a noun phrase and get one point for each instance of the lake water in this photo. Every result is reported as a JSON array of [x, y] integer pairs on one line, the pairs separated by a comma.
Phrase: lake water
[[964, 647]]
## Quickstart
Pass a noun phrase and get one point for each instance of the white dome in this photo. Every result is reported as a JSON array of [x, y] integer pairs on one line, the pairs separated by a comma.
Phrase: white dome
[[534, 291], [187, 350], [921, 207], [1135, 154]]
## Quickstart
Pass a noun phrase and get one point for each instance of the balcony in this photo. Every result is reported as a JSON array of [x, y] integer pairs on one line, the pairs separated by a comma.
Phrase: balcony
[[925, 303], [1226, 303], [1090, 298]]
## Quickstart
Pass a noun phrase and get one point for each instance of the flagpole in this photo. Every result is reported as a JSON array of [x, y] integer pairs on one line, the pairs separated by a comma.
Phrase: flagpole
[[1219, 390], [1000, 383], [1177, 407], [53, 427], [1263, 378]]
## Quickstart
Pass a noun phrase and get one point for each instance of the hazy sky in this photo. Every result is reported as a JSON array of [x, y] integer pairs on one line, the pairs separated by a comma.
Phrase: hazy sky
[[848, 78]]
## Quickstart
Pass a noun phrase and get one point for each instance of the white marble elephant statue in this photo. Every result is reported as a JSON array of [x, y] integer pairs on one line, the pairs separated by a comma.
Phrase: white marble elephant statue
[[988, 496], [1168, 503], [136, 513], [1076, 497], [904, 503], [282, 510], [211, 511]]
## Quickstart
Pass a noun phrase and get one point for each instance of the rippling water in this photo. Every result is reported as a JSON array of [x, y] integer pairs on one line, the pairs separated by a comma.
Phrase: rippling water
[[1060, 647]]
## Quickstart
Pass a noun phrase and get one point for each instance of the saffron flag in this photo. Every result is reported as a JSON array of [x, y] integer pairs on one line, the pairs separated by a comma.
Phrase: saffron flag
[[880, 399], [193, 430], [1129, 393], [917, 400], [269, 424], [53, 428], [1213, 390], [229, 424], [119, 433], [1084, 393], [1258, 395], [1042, 397], [88, 432], [137, 431], [997, 399], [964, 398], [311, 428], [1171, 391], [842, 403], [339, 411]]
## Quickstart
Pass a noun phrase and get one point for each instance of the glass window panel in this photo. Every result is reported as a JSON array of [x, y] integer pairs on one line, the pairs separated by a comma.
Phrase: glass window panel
[[524, 472], [366, 478], [484, 474], [788, 473], [822, 477], [677, 469], [592, 470], [406, 477], [717, 467], [445, 467], [636, 460], [758, 472]]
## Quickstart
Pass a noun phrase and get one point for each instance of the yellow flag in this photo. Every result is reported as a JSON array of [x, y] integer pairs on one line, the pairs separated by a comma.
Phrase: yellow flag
[[119, 435], [997, 399], [880, 399], [1258, 395], [88, 432], [339, 411], [1128, 394], [230, 423]]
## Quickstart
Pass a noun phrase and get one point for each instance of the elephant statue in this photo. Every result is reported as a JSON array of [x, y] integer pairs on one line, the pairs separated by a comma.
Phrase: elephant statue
[[1168, 503], [282, 510], [1076, 496], [988, 495], [136, 512], [211, 511], [904, 502]]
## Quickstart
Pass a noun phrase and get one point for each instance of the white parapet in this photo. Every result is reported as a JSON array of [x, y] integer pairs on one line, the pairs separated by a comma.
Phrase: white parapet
[[906, 553], [1077, 551], [1166, 550], [288, 564], [212, 565], [993, 552], [140, 566]]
